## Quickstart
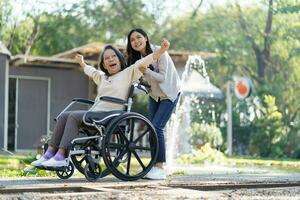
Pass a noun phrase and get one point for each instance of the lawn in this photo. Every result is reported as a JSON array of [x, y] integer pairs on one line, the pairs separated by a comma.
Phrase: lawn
[[287, 165], [15, 165]]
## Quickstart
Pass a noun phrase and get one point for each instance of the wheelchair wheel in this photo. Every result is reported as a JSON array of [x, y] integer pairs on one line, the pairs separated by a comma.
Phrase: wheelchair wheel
[[132, 158], [92, 171], [80, 159], [67, 172]]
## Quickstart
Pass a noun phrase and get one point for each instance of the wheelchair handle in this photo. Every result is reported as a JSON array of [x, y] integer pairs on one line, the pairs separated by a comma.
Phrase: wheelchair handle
[[143, 88]]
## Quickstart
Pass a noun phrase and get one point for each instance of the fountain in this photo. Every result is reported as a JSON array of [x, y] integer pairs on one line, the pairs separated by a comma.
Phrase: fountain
[[196, 86]]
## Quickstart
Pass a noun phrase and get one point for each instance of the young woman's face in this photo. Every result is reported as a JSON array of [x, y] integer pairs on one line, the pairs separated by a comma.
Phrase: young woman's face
[[138, 41], [111, 61]]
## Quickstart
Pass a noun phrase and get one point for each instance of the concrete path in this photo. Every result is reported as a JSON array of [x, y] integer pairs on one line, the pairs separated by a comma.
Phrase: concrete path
[[192, 186]]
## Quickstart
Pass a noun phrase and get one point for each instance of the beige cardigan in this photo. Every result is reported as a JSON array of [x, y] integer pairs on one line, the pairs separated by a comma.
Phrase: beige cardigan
[[116, 85]]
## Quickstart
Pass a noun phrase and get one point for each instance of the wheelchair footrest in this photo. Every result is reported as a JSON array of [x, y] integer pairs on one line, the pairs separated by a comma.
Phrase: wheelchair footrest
[[63, 168]]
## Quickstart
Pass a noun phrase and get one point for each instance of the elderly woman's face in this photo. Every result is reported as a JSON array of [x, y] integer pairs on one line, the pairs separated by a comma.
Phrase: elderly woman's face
[[111, 61], [138, 41]]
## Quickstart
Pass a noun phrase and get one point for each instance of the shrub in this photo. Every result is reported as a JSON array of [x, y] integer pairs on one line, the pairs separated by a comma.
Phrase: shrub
[[205, 133], [205, 155], [268, 137]]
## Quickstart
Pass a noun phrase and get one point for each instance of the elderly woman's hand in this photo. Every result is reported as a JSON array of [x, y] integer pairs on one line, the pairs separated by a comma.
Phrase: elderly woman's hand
[[80, 60]]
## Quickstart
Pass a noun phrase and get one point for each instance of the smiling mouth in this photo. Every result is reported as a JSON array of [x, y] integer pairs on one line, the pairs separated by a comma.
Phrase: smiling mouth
[[112, 65], [137, 46]]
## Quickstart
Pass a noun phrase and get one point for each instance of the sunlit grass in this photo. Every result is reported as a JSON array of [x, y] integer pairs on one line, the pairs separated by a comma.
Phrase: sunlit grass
[[19, 165], [288, 165], [207, 155]]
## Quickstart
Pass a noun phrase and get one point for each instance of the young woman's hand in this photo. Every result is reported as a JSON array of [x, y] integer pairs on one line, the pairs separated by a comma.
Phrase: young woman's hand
[[164, 45], [142, 69], [80, 60]]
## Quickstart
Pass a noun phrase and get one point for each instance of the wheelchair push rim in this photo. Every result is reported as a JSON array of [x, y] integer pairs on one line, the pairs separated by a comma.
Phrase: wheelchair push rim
[[131, 158]]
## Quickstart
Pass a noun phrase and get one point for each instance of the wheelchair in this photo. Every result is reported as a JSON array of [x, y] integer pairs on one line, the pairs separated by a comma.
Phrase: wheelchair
[[123, 143]]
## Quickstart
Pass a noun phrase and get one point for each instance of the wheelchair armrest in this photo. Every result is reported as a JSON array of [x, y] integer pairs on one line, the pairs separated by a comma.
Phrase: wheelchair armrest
[[113, 100], [75, 100], [86, 101]]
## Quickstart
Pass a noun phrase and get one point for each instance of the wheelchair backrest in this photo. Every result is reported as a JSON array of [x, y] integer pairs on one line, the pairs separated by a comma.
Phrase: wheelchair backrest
[[128, 102], [141, 85]]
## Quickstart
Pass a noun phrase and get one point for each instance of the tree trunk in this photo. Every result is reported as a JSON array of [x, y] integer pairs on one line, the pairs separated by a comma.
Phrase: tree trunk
[[262, 56]]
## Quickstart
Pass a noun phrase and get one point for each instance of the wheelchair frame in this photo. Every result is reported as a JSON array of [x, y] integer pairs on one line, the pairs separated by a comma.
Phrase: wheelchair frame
[[110, 135]]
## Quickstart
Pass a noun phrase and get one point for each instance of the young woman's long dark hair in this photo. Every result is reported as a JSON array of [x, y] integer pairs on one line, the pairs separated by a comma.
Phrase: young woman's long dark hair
[[119, 55], [133, 55]]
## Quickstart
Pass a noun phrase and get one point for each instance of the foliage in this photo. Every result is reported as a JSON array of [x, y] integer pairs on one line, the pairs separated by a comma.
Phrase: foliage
[[293, 146], [206, 154], [205, 133], [268, 137], [283, 6], [60, 33], [5, 12], [83, 22], [90, 21], [219, 30], [140, 104]]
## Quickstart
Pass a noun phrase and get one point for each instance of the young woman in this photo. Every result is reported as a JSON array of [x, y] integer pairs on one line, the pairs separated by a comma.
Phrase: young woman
[[114, 80], [164, 93]]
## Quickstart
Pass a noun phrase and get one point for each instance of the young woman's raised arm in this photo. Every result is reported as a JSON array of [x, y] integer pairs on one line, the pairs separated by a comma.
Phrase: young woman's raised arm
[[143, 63]]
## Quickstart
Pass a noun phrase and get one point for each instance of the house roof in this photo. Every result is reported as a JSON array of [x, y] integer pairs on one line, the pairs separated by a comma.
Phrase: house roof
[[4, 50], [38, 61], [91, 53]]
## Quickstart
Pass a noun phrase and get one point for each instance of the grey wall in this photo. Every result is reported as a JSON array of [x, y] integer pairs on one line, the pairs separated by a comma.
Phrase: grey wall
[[3, 71], [66, 84]]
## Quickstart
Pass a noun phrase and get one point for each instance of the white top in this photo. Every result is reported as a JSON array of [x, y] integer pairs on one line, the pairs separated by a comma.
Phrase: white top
[[164, 80], [116, 85]]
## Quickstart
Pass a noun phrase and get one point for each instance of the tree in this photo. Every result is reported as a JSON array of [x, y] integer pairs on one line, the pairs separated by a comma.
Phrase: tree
[[90, 21], [262, 54]]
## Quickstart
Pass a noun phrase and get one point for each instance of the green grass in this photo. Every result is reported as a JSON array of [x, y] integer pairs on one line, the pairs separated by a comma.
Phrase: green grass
[[208, 155], [288, 165], [19, 165]]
